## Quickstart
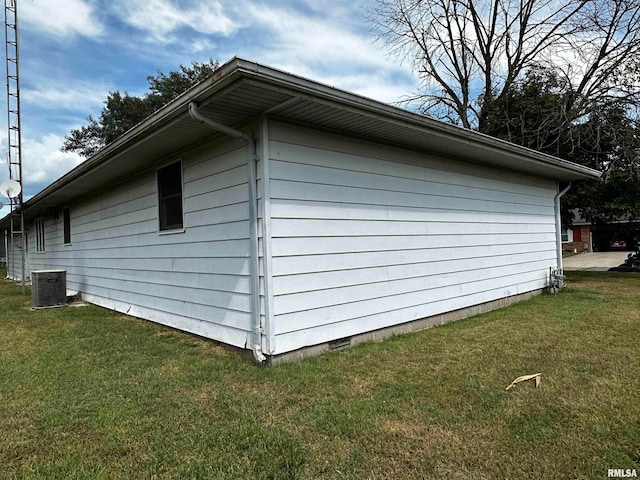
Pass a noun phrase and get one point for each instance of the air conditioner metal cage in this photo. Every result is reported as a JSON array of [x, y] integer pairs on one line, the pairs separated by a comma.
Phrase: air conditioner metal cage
[[48, 288]]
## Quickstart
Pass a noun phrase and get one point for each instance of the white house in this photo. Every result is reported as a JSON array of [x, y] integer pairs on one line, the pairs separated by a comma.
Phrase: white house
[[273, 213]]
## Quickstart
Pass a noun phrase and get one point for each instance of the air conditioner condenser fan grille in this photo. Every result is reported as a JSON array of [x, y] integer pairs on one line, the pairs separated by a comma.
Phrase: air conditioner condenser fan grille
[[48, 288]]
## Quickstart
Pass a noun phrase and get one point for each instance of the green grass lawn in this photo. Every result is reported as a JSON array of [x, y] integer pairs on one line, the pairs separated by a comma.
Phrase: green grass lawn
[[89, 393]]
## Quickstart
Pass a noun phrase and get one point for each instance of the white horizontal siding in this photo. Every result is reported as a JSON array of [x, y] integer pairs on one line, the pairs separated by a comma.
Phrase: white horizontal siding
[[197, 280], [288, 169], [357, 195], [460, 269], [314, 246], [294, 265], [14, 257], [428, 294], [293, 227], [385, 316], [459, 282], [323, 209], [367, 236]]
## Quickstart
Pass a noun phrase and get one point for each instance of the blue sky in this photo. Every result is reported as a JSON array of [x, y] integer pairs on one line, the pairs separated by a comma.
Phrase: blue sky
[[73, 52]]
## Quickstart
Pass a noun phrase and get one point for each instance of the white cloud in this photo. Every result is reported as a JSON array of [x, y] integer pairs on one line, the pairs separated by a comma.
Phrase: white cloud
[[378, 86], [312, 39], [161, 17], [43, 162], [329, 50], [202, 45], [61, 19], [70, 96]]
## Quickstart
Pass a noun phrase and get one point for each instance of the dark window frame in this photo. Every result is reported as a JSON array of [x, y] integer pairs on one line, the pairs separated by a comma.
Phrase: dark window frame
[[66, 225], [170, 192]]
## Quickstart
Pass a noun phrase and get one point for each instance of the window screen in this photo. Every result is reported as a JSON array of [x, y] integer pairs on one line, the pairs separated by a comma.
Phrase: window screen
[[39, 224]]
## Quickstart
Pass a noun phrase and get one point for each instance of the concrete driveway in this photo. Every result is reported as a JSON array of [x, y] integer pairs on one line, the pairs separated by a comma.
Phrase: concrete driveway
[[597, 261]]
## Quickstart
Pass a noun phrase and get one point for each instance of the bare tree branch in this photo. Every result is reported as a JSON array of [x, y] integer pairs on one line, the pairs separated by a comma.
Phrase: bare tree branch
[[469, 52]]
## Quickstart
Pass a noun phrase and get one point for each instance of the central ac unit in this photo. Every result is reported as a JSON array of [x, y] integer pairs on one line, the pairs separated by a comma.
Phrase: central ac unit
[[48, 288]]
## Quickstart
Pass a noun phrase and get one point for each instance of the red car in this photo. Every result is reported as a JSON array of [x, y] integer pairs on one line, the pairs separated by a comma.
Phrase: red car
[[619, 244]]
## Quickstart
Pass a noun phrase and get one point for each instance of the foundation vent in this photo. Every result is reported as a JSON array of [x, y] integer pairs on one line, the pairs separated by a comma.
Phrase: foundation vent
[[340, 344]]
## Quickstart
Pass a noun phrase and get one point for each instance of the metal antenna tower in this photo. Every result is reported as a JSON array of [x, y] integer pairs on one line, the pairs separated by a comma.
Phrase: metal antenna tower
[[14, 151]]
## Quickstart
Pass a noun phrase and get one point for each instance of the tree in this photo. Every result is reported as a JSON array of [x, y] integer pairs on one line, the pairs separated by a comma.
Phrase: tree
[[559, 77], [608, 139], [123, 111], [463, 50], [531, 112]]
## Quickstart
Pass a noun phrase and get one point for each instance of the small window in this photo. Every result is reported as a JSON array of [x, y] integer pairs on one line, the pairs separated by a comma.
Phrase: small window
[[66, 222], [39, 224], [170, 197], [565, 236]]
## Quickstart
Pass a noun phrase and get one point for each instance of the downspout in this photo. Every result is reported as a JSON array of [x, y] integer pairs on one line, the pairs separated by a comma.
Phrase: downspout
[[556, 207], [256, 346]]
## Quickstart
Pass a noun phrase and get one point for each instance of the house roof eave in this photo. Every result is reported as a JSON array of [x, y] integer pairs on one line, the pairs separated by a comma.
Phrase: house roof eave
[[242, 90]]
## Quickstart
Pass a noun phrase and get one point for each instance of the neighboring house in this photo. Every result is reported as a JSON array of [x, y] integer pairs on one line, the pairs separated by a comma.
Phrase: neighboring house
[[578, 238], [347, 219], [584, 236]]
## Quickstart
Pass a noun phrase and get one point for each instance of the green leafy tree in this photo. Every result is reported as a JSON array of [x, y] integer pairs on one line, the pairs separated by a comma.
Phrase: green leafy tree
[[532, 113], [123, 111], [609, 140]]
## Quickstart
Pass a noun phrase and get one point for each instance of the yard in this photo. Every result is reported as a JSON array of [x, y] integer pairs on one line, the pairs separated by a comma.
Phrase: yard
[[88, 393]]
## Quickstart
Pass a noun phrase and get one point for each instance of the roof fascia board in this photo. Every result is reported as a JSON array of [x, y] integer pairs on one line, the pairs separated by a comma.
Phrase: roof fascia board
[[227, 76], [337, 98], [518, 153], [162, 119], [171, 113]]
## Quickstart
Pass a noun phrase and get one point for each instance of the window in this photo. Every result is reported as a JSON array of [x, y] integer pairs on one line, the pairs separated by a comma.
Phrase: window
[[39, 224], [567, 235], [170, 197], [66, 222]]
